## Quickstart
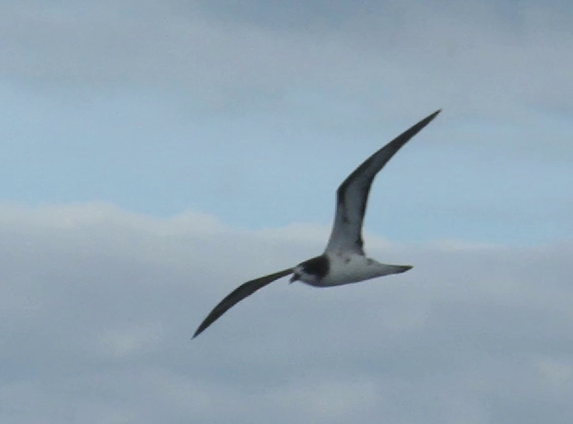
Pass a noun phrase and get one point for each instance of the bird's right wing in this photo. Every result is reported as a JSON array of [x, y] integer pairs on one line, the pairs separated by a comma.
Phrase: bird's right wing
[[237, 295]]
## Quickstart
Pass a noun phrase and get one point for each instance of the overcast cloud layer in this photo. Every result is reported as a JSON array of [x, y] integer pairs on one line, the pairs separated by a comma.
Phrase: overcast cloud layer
[[237, 55], [98, 305], [157, 154]]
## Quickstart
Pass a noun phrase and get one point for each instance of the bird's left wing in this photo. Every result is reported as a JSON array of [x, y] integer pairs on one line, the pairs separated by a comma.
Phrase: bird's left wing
[[352, 195], [237, 295]]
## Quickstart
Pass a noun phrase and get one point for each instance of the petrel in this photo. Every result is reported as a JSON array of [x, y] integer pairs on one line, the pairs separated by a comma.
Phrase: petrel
[[343, 260]]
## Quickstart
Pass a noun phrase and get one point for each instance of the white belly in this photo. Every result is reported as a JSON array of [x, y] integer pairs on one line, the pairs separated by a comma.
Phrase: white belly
[[352, 269]]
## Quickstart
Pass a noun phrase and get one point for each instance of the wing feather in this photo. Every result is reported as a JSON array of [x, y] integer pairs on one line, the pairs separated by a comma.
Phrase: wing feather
[[237, 295], [352, 195]]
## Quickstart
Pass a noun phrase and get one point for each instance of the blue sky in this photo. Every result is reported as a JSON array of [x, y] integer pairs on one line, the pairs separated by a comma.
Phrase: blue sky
[[144, 141]]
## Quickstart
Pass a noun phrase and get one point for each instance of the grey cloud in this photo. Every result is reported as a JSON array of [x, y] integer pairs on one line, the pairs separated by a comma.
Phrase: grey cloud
[[309, 16], [98, 306], [468, 57], [335, 70]]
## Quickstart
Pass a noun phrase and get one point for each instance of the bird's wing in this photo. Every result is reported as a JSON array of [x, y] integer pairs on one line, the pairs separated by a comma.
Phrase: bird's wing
[[352, 195], [237, 295]]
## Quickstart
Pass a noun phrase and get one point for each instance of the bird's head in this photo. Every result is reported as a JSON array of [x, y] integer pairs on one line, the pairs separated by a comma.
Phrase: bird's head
[[311, 271], [297, 272]]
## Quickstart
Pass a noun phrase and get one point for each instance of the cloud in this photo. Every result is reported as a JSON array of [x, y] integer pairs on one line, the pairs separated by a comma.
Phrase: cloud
[[483, 60], [98, 305]]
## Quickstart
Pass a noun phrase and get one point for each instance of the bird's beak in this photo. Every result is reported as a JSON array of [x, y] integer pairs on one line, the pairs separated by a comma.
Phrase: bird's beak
[[293, 278]]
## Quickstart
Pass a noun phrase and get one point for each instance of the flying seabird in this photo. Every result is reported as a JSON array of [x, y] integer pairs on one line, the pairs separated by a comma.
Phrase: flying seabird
[[343, 260]]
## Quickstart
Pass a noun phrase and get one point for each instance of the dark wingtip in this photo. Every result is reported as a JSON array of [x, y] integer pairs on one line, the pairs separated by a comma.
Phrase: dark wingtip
[[433, 115], [418, 127], [200, 329]]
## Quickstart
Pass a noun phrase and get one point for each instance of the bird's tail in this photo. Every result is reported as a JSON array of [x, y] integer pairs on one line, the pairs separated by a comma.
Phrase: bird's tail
[[395, 269]]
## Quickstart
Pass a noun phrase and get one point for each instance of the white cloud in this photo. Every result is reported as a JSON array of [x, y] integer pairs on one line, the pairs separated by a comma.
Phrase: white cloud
[[98, 306]]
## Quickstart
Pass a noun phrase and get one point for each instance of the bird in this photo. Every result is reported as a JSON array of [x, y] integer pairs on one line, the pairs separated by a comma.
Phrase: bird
[[343, 260]]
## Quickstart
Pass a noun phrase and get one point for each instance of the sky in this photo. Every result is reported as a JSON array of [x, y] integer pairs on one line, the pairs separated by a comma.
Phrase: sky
[[155, 155]]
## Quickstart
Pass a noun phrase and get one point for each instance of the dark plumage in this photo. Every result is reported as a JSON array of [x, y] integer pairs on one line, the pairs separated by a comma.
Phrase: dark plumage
[[317, 267]]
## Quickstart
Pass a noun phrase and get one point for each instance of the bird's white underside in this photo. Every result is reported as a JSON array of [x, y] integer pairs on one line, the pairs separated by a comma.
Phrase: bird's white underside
[[351, 268]]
